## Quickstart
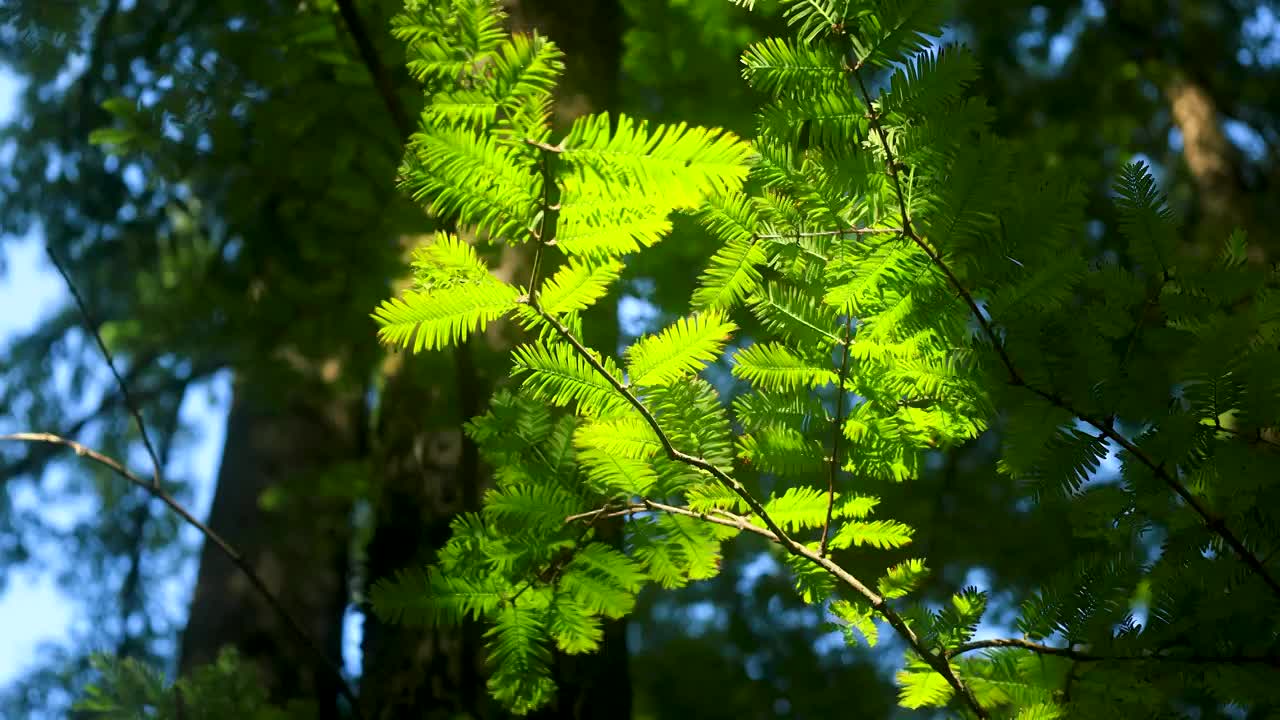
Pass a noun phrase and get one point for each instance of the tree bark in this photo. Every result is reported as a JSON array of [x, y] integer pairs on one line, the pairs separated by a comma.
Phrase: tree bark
[[426, 474], [1212, 162], [281, 440]]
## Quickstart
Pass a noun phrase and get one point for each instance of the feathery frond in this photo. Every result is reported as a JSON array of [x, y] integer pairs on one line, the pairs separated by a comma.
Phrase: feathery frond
[[436, 318], [681, 349], [560, 375]]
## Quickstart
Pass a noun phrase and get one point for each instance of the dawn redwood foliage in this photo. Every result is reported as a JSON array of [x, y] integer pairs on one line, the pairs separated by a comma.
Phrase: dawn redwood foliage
[[917, 283], [911, 282]]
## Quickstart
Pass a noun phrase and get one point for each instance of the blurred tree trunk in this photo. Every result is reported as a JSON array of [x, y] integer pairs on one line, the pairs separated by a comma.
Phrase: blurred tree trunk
[[1213, 164], [282, 439], [425, 472]]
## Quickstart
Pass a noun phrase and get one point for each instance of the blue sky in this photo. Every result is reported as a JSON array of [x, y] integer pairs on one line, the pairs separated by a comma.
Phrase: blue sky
[[31, 610]]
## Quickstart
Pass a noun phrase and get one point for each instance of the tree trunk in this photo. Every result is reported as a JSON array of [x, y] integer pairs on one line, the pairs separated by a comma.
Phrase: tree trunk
[[283, 442], [1213, 164], [426, 474]]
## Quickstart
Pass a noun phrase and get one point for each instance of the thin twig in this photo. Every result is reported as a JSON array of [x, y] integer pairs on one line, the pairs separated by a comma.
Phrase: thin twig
[[546, 232], [836, 434], [369, 56], [92, 324], [1081, 656], [830, 233], [938, 662], [879, 604], [1211, 519], [159, 493]]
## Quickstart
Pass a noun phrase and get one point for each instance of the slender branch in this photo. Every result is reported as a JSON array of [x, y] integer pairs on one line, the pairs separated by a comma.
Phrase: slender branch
[[545, 147], [128, 400], [369, 55], [1258, 439], [717, 517], [936, 661], [32, 461], [836, 435], [830, 233], [156, 489], [1081, 656], [1211, 519], [546, 232], [775, 532], [159, 493], [673, 453]]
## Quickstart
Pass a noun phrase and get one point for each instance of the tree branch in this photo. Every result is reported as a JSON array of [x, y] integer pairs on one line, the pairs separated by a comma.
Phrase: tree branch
[[1081, 656], [1211, 519], [92, 325], [836, 434], [938, 662], [369, 56], [159, 493], [830, 233]]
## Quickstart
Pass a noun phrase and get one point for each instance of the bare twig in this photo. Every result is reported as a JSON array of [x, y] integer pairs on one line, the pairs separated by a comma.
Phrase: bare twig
[[836, 434], [1212, 520], [830, 233], [936, 661], [159, 493], [129, 403], [1082, 656]]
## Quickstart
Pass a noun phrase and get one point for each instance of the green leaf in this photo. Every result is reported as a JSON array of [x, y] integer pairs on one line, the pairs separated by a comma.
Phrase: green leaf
[[440, 317], [577, 286], [430, 598], [931, 82], [600, 219], [882, 534], [782, 451], [798, 317], [896, 27], [779, 66], [732, 273], [856, 616], [560, 375], [629, 437], [616, 473], [575, 629], [481, 179], [521, 659], [531, 506], [683, 348], [603, 580], [1145, 220], [773, 366], [922, 688], [902, 578], [678, 165]]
